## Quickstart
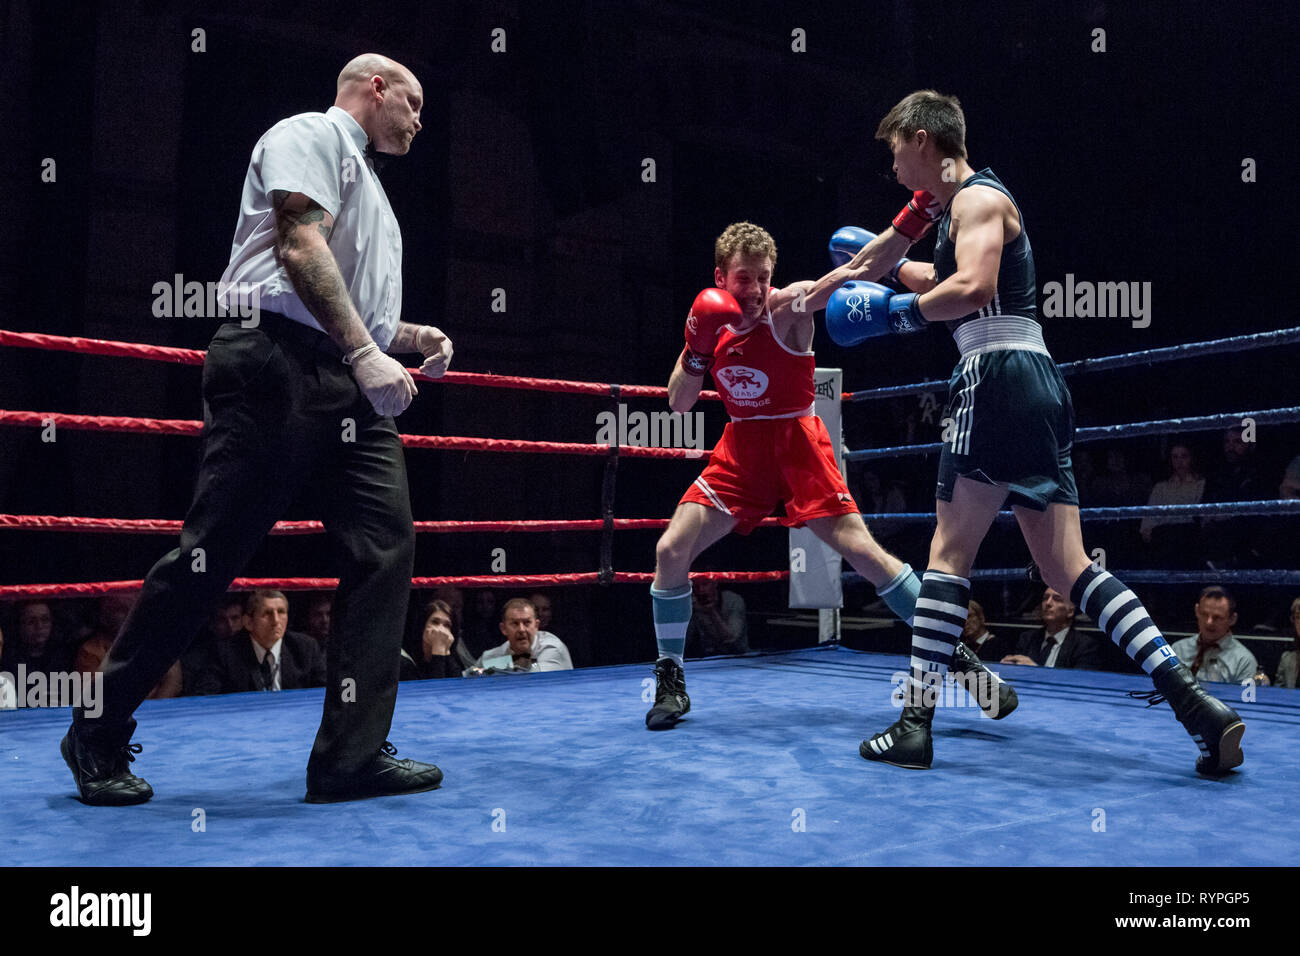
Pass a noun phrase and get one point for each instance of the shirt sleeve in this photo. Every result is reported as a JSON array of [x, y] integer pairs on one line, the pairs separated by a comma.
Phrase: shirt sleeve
[[1244, 666], [304, 156], [553, 657]]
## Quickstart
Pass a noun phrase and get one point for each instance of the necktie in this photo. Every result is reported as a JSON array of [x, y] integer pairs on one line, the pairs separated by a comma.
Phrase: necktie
[[268, 671], [1202, 648], [1048, 643]]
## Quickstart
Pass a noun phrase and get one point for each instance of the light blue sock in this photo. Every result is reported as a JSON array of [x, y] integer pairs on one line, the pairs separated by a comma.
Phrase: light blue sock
[[672, 611], [901, 593]]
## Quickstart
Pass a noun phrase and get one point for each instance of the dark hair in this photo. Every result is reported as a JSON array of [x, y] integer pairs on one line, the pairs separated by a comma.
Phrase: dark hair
[[437, 604], [514, 603], [1215, 593], [938, 115], [259, 597]]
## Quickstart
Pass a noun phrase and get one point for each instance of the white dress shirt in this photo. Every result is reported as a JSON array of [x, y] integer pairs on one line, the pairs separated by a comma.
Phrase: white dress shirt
[[548, 651], [321, 155], [274, 651]]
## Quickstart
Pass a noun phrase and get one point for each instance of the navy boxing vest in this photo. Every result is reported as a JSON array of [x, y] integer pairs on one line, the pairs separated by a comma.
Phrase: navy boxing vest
[[1017, 292]]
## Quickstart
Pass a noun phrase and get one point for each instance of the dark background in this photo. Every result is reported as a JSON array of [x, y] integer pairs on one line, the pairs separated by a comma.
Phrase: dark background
[[527, 177]]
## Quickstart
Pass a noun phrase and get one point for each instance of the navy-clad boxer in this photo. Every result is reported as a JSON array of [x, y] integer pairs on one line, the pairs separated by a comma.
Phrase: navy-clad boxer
[[1009, 427]]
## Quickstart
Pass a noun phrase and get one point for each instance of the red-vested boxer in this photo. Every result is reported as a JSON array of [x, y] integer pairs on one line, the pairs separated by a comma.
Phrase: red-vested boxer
[[757, 343]]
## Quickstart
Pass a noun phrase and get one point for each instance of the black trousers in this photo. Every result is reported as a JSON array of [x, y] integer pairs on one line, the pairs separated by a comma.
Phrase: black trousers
[[282, 412]]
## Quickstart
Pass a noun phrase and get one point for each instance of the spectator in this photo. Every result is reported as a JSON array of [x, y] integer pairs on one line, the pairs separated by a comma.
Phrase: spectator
[[317, 622], [1172, 540], [986, 645], [1215, 654], [433, 650], [1290, 662], [526, 648], [111, 614], [226, 621], [482, 625], [39, 646], [1116, 486], [542, 604], [718, 624], [1238, 477], [1231, 542], [1058, 644], [454, 598], [273, 658], [1290, 486], [8, 693], [876, 498]]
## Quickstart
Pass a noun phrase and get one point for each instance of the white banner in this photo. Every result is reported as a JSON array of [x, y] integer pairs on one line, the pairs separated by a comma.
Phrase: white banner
[[815, 567]]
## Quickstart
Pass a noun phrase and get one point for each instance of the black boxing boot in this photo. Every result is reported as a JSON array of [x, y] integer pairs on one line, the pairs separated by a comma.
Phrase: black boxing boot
[[1214, 725], [671, 701], [905, 743], [994, 696]]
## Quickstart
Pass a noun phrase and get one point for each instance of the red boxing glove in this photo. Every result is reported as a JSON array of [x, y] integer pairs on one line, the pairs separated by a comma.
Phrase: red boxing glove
[[918, 215], [713, 308]]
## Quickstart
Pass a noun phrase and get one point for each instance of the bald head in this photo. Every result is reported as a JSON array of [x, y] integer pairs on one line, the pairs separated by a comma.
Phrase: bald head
[[362, 68], [384, 97]]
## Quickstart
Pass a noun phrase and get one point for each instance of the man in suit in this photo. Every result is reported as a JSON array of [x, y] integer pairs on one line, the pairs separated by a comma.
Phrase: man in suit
[[976, 635], [1058, 644], [270, 657]]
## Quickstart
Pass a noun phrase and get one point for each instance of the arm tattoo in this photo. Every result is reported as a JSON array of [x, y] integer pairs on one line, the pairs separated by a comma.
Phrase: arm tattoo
[[312, 269]]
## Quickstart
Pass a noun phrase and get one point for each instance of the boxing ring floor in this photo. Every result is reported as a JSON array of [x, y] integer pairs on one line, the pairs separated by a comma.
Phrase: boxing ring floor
[[563, 766]]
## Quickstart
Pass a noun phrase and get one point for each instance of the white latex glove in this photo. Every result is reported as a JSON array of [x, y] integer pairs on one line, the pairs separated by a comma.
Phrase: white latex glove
[[436, 349], [383, 380]]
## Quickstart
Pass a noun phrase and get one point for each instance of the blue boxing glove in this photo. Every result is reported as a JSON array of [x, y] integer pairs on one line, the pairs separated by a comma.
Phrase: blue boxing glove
[[858, 311], [905, 313], [847, 243]]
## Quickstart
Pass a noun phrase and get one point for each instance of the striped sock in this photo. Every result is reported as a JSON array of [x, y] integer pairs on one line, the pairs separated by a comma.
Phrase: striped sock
[[940, 615], [1119, 613], [672, 611], [901, 593]]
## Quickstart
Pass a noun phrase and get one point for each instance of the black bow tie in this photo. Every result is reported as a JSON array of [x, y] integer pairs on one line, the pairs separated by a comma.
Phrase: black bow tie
[[374, 158]]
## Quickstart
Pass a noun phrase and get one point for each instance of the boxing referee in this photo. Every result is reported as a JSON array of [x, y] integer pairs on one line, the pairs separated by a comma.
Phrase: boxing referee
[[303, 398]]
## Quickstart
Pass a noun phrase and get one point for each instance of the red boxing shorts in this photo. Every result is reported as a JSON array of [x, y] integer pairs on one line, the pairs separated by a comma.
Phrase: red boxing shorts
[[758, 464]]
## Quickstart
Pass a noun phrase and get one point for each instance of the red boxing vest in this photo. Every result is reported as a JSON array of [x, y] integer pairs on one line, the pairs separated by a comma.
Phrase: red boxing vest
[[759, 376]]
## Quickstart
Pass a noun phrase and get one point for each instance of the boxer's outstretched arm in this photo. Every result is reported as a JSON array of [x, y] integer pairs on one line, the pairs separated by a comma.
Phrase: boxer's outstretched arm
[[917, 276], [871, 262], [978, 214], [302, 228], [683, 389]]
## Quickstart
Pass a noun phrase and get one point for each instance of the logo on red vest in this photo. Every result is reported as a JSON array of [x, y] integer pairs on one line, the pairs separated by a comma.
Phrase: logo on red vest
[[742, 382]]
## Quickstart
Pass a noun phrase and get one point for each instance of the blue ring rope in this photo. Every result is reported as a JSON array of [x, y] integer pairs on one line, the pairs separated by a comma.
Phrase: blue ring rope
[[1233, 343]]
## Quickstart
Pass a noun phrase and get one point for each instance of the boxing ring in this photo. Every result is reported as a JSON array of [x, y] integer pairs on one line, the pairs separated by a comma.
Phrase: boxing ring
[[559, 769]]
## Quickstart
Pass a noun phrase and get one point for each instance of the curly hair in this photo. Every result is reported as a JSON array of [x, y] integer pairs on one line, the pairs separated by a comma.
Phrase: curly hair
[[745, 238]]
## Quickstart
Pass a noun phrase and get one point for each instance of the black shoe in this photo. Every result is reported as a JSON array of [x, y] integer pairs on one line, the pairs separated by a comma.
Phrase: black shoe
[[102, 769], [964, 661], [671, 702], [906, 743], [385, 777], [1214, 725]]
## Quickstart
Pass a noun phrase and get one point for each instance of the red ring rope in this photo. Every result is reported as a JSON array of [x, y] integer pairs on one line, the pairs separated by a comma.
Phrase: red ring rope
[[100, 588]]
